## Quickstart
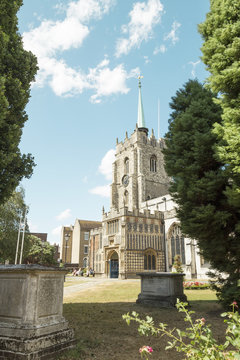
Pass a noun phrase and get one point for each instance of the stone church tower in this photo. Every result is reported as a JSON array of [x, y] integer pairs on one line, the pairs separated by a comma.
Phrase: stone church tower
[[138, 171], [132, 240]]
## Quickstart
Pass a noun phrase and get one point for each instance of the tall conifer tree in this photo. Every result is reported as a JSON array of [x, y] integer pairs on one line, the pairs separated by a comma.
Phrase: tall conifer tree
[[221, 54], [17, 70], [200, 182]]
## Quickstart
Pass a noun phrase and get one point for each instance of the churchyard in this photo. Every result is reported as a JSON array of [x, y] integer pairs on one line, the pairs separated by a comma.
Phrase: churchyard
[[95, 314]]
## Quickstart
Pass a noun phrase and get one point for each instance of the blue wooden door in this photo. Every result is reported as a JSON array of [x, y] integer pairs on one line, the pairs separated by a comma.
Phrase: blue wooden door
[[114, 268]]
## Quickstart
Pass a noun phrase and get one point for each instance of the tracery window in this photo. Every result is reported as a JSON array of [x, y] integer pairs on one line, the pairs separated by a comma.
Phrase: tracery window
[[177, 243], [153, 163], [149, 260]]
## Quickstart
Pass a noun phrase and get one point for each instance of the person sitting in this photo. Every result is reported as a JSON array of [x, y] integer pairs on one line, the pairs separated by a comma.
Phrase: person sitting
[[92, 272]]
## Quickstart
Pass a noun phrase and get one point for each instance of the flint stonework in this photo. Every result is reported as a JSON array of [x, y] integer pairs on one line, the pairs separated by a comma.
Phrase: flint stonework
[[31, 322]]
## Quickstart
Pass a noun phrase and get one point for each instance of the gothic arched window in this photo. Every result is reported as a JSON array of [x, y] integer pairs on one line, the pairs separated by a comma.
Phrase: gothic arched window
[[149, 260], [126, 165], [153, 163], [126, 197], [176, 242]]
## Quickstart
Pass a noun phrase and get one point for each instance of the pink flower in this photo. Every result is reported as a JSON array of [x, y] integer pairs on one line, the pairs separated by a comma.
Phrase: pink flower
[[235, 304], [146, 350], [203, 321]]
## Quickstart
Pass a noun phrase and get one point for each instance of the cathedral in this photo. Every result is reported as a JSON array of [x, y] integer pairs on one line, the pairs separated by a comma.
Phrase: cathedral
[[140, 232]]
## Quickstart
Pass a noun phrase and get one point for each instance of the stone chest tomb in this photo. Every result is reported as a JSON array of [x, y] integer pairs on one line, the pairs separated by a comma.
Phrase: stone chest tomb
[[31, 322], [161, 289]]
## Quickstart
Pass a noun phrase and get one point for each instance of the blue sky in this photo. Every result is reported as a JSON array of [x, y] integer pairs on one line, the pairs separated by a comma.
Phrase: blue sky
[[90, 53]]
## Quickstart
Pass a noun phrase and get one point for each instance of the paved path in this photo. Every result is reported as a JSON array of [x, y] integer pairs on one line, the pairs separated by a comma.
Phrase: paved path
[[83, 283]]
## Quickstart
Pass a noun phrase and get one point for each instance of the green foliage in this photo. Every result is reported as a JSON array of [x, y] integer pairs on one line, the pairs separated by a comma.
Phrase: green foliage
[[221, 53], [10, 213], [177, 265], [17, 70], [196, 341], [40, 252], [200, 181], [227, 289]]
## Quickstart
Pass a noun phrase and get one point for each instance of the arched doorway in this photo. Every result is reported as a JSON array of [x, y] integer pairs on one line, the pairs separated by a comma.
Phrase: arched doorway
[[114, 265]]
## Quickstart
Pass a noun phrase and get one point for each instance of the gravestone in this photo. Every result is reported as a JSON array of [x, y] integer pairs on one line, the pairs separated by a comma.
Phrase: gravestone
[[31, 322], [161, 289]]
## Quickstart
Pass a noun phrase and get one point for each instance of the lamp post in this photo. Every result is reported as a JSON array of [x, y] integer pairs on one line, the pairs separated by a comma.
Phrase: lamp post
[[67, 237]]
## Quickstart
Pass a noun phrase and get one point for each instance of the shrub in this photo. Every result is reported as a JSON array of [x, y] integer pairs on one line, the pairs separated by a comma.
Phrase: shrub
[[197, 341], [195, 285], [177, 265]]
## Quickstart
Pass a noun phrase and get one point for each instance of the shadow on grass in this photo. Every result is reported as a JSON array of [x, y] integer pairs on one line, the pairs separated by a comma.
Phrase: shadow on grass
[[102, 334]]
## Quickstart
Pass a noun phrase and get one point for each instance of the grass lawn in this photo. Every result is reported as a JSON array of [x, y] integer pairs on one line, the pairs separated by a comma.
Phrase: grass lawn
[[96, 316]]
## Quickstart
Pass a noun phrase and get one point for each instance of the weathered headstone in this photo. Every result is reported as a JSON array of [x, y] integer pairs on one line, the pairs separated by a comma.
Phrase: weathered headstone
[[31, 321], [161, 289]]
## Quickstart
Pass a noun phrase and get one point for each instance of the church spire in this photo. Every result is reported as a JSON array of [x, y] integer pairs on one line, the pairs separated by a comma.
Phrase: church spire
[[141, 120]]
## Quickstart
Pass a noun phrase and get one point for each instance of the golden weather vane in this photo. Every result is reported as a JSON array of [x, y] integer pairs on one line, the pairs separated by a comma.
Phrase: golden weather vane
[[139, 80]]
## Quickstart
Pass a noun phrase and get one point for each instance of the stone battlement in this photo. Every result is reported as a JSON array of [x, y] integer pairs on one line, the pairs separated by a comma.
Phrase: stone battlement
[[146, 213], [139, 136]]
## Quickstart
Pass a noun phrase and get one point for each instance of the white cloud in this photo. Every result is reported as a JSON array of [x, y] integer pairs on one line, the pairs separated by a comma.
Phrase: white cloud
[[108, 82], [143, 17], [172, 35], [194, 65], [66, 81], [64, 215], [146, 59], [160, 49], [105, 167], [52, 38], [57, 231], [103, 191]]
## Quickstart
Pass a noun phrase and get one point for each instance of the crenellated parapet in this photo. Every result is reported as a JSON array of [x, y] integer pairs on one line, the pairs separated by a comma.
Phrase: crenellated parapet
[[139, 137], [146, 213]]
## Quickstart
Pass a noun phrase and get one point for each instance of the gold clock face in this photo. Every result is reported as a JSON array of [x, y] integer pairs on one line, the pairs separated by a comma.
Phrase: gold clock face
[[125, 180]]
